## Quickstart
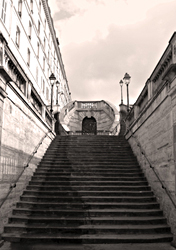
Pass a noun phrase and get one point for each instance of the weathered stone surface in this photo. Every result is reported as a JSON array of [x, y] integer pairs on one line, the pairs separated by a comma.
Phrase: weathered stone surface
[[104, 115], [154, 132], [22, 131]]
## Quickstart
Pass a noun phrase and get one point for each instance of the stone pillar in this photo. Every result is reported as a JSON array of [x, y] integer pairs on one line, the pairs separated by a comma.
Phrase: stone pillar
[[123, 114], [123, 111]]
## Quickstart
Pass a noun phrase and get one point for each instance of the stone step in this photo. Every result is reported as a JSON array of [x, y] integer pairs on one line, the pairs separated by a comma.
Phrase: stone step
[[80, 183], [87, 178], [89, 188], [86, 166], [81, 193], [86, 155], [88, 205], [89, 239], [91, 149], [87, 170], [88, 199], [60, 220], [89, 161], [76, 173], [88, 229], [87, 212]]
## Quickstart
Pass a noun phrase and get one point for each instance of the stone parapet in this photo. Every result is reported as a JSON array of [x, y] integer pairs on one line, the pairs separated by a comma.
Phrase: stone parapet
[[105, 114], [151, 124]]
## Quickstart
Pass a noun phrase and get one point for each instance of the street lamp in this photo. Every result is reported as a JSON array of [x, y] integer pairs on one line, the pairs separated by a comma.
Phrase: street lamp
[[52, 79], [121, 85], [127, 82]]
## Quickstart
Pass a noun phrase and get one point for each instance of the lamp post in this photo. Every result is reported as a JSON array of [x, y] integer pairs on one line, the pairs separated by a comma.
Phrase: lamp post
[[121, 85], [52, 79], [127, 82]]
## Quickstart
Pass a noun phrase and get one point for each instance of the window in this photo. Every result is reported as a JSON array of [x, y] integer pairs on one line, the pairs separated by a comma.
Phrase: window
[[48, 73], [20, 8], [38, 49], [28, 57], [43, 87], [17, 40], [30, 30], [37, 74], [39, 27], [43, 63], [41, 82], [45, 24], [48, 56], [4, 8], [44, 42], [47, 93], [39, 6], [31, 6]]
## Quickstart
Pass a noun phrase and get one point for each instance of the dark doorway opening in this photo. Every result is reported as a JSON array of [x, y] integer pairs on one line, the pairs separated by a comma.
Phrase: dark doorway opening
[[89, 126]]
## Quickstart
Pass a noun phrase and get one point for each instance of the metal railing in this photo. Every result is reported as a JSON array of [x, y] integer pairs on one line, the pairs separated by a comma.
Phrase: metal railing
[[12, 186], [150, 165]]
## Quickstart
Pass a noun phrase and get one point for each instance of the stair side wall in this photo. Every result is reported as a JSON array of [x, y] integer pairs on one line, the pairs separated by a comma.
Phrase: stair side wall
[[155, 129], [22, 130]]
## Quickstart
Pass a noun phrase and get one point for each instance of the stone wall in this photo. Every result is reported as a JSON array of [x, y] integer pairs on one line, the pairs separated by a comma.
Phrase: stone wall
[[154, 129], [22, 130]]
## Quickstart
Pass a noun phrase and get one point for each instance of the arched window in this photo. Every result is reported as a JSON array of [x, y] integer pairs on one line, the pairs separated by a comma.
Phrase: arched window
[[30, 30], [3, 12], [17, 40], [39, 6], [39, 27], [20, 8], [28, 57], [38, 49], [31, 6]]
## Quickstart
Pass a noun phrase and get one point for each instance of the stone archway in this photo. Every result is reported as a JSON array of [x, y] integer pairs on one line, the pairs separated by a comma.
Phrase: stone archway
[[89, 126]]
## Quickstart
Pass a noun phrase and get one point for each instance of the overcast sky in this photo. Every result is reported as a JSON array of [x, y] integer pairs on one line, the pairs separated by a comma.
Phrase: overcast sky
[[101, 40]]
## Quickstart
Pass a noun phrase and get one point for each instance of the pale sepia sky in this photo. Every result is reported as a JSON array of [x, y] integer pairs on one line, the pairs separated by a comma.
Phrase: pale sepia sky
[[101, 40]]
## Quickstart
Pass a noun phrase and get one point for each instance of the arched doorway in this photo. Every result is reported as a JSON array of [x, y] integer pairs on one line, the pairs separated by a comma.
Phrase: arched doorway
[[89, 126]]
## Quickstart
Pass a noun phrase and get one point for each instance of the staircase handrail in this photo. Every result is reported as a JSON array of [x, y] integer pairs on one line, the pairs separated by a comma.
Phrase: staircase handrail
[[12, 186], [150, 164]]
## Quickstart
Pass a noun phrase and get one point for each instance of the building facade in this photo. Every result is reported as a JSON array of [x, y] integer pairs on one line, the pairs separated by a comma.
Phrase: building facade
[[29, 54]]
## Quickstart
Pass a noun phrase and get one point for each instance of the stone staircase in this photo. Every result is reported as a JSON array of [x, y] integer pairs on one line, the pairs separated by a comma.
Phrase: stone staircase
[[90, 190]]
